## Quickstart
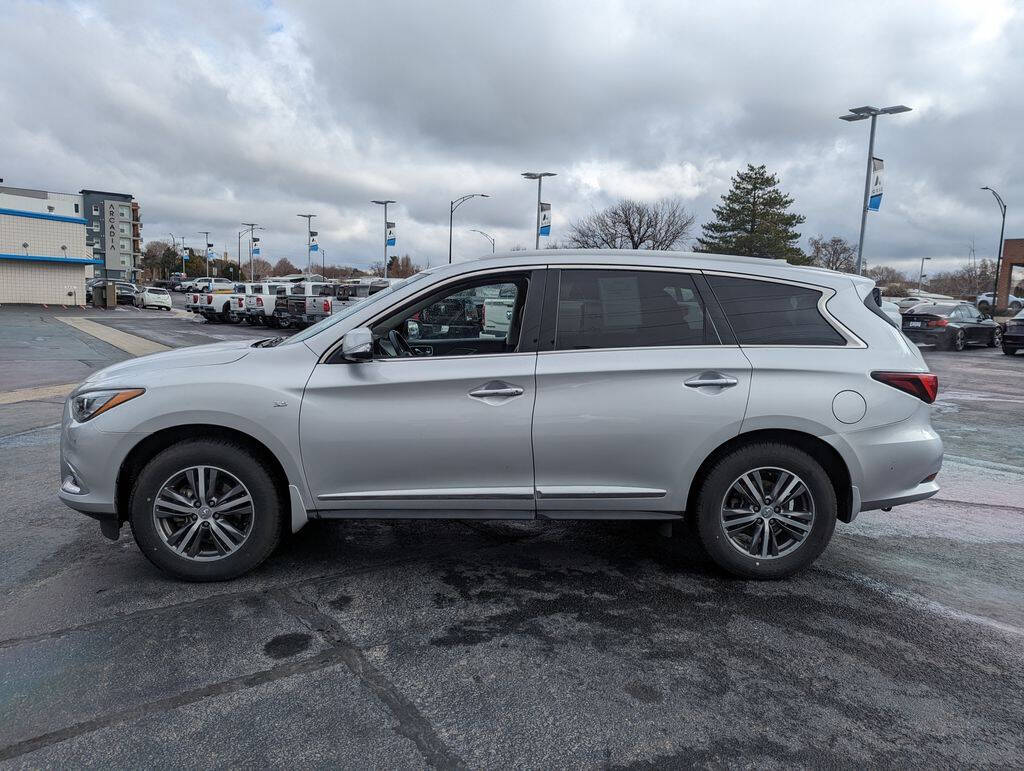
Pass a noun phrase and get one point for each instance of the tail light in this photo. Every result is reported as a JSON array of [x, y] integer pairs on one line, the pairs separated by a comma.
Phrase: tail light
[[259, 302], [209, 299], [923, 385], [327, 305], [938, 323], [240, 301]]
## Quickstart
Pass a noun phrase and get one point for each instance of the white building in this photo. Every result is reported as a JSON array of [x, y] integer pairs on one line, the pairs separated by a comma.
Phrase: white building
[[50, 245]]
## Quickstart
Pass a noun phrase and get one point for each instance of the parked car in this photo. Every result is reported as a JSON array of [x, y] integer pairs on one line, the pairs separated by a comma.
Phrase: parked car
[[215, 302], [125, 292], [260, 302], [1013, 335], [203, 283], [152, 297], [786, 404], [1013, 303], [952, 326]]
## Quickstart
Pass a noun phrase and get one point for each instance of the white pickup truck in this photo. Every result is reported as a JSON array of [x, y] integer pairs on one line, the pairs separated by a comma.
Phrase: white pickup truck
[[334, 297], [261, 301], [215, 303]]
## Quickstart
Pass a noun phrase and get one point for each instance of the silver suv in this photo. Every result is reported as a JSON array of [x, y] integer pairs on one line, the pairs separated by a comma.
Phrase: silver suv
[[758, 401]]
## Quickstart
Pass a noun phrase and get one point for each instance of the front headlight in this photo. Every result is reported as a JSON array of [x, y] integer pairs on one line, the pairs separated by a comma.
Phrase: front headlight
[[88, 405]]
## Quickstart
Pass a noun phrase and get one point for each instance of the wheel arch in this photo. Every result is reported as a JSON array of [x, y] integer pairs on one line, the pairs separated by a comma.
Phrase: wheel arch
[[814, 446], [153, 444]]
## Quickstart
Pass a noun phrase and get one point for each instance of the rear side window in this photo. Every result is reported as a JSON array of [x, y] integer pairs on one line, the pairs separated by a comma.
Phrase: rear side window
[[770, 313], [629, 309]]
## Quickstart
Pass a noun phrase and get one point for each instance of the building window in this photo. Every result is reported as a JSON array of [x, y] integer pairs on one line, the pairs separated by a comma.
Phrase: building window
[[124, 213], [124, 244], [123, 229]]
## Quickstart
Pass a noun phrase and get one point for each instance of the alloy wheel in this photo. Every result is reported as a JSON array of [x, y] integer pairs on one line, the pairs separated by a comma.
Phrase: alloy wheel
[[767, 513], [203, 513], [958, 340], [997, 337]]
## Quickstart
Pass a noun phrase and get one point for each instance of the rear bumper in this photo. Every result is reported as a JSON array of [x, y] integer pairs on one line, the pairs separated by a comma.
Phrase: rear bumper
[[927, 336]]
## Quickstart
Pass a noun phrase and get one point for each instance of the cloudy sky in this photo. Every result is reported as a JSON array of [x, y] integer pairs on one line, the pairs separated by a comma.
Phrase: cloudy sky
[[212, 113]]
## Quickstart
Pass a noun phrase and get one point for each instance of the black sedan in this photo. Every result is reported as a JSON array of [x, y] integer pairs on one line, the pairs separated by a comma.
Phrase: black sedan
[[1013, 337], [953, 326]]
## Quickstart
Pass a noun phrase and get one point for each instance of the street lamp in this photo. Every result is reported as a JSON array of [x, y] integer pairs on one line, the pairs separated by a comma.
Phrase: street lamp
[[862, 113], [453, 205], [485, 235], [539, 176], [920, 277], [250, 228], [208, 247], [385, 205], [999, 252], [309, 239]]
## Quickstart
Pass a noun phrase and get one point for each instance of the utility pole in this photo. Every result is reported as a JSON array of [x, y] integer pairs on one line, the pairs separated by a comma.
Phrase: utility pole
[[999, 251], [862, 113], [539, 176], [385, 205], [309, 240], [250, 228]]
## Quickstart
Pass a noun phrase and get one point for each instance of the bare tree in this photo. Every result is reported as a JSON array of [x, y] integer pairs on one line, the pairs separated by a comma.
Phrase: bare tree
[[284, 267], [835, 254], [632, 224]]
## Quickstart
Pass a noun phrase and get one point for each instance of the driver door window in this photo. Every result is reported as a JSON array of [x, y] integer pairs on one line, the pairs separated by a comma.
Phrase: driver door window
[[481, 318]]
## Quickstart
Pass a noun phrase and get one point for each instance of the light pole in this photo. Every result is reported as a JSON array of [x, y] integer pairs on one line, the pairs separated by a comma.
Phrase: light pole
[[999, 252], [385, 205], [174, 245], [452, 206], [920, 276], [539, 176], [485, 235], [861, 113], [250, 228], [309, 239]]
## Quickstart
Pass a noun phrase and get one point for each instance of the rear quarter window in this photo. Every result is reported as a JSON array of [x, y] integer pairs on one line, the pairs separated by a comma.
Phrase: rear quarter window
[[772, 313]]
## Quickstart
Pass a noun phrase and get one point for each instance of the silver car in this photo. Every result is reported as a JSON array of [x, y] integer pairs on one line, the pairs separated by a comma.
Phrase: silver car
[[759, 401]]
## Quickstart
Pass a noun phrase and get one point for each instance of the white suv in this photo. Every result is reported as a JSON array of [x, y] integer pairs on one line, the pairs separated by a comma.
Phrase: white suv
[[760, 402]]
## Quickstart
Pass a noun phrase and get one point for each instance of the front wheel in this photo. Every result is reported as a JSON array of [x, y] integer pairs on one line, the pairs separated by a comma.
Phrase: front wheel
[[996, 339], [206, 510], [1009, 350], [765, 511]]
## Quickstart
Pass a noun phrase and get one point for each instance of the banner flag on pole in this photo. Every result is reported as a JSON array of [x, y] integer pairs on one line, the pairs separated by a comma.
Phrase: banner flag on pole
[[255, 250], [211, 253], [390, 237], [545, 219], [184, 254], [313, 245], [875, 199]]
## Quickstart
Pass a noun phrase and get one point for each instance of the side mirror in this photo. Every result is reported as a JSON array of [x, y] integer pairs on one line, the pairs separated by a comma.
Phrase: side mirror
[[357, 345]]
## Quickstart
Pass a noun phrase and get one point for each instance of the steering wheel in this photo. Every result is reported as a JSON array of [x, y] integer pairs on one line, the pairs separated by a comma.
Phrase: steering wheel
[[399, 343]]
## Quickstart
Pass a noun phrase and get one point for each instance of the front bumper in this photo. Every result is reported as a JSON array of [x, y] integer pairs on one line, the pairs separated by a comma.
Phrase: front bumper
[[1014, 336]]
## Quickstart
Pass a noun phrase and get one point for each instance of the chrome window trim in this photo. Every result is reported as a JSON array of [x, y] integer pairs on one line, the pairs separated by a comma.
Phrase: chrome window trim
[[852, 341], [429, 290]]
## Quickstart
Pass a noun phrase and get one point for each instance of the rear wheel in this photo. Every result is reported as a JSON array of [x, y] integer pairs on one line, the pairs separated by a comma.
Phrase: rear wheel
[[206, 510], [765, 511], [957, 340]]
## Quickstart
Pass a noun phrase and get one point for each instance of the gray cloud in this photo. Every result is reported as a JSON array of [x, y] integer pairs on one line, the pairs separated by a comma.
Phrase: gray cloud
[[213, 113]]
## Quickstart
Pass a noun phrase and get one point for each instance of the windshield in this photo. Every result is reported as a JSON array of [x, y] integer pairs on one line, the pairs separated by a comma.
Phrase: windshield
[[343, 314]]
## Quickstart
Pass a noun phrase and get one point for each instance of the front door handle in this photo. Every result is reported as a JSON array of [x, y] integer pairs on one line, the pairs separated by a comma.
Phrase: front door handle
[[496, 388], [711, 379]]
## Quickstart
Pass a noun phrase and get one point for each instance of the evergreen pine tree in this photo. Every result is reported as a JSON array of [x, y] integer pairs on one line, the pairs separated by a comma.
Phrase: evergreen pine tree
[[753, 219]]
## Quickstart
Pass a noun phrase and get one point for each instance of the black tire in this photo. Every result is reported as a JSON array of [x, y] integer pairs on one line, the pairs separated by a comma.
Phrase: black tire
[[716, 485], [956, 340], [1009, 350], [267, 517], [273, 322], [995, 339]]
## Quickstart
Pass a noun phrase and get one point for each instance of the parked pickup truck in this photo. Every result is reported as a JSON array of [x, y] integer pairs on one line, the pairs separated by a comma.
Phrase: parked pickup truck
[[261, 301], [215, 303], [338, 296], [293, 311], [496, 312]]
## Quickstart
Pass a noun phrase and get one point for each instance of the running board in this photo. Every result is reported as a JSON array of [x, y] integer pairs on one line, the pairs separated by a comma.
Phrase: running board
[[610, 515]]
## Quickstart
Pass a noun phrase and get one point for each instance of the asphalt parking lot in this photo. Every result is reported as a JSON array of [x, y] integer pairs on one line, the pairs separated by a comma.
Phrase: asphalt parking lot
[[475, 644]]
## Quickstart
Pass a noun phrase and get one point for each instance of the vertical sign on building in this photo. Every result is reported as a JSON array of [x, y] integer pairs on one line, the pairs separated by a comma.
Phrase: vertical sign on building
[[545, 219], [875, 200], [111, 237]]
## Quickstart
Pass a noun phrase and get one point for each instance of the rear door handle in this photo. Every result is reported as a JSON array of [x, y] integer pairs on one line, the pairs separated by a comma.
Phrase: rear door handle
[[711, 379], [496, 388]]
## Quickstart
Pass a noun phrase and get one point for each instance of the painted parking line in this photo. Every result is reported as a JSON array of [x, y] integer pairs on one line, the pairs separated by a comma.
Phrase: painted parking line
[[36, 394], [133, 344]]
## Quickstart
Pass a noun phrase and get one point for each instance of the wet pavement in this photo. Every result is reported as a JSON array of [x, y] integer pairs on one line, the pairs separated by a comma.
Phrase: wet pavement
[[527, 644]]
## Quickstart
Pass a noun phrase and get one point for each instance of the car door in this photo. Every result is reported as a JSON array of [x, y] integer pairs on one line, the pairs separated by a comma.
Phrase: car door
[[638, 379], [445, 432], [977, 330]]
